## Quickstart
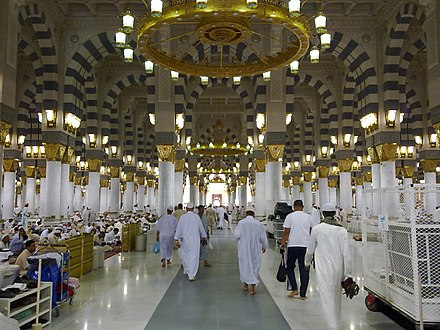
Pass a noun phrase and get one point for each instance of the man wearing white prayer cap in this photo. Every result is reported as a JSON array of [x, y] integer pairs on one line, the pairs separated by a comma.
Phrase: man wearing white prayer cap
[[252, 243], [188, 234], [55, 236], [166, 228]]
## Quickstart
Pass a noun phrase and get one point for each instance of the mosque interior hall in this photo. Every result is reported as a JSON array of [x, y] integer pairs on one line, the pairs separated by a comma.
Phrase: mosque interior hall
[[119, 115]]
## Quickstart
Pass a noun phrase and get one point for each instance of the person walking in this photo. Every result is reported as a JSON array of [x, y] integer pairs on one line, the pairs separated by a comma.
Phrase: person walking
[[329, 246], [296, 234], [165, 231], [204, 250], [212, 218], [25, 215], [252, 243], [221, 217], [189, 232]]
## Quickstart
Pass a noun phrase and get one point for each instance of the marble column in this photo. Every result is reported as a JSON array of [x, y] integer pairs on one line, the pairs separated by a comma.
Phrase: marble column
[[129, 192], [64, 200], [140, 197], [345, 190], [71, 191], [193, 190], [103, 196], [307, 187], [150, 193], [30, 188], [333, 193], [430, 176], [77, 193], [296, 189], [323, 190], [359, 194], [274, 171], [54, 154], [43, 191], [8, 198], [93, 187], [375, 177], [389, 200], [260, 188], [407, 173], [166, 177], [243, 192], [179, 167], [115, 181]]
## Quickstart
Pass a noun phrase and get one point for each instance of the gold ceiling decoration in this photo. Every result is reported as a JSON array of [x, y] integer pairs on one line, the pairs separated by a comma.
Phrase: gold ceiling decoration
[[218, 147], [207, 38]]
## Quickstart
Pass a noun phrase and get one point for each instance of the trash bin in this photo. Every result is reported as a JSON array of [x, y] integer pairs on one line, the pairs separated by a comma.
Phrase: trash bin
[[98, 257], [141, 243]]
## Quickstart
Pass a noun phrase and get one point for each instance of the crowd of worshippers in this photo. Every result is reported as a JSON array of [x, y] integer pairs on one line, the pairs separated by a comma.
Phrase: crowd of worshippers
[[21, 241]]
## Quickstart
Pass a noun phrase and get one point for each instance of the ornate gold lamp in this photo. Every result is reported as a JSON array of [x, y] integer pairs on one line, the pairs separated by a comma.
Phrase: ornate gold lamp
[[222, 28]]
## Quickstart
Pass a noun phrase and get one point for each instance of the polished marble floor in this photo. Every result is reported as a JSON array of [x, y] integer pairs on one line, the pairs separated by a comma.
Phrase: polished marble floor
[[133, 291]]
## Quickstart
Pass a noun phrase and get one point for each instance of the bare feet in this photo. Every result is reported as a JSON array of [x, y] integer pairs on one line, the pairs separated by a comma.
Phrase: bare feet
[[169, 262], [245, 287]]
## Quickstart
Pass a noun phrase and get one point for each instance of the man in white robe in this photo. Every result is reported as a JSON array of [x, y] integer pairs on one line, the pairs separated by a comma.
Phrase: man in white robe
[[252, 243], [188, 234], [166, 229], [221, 216], [316, 215]]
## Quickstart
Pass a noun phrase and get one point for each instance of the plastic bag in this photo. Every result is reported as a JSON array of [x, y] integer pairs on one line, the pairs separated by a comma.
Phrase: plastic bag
[[156, 247], [210, 245]]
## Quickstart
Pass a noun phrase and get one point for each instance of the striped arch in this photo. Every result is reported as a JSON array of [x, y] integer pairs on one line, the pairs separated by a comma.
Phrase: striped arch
[[288, 151], [109, 117], [324, 136], [296, 145], [140, 145], [308, 134], [27, 118], [37, 18], [82, 62], [359, 63], [128, 134], [348, 100], [393, 52], [27, 49], [405, 61], [416, 111], [326, 94], [240, 90], [91, 101]]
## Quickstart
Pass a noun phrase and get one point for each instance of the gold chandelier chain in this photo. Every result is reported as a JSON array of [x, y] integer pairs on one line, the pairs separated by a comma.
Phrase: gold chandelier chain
[[171, 38]]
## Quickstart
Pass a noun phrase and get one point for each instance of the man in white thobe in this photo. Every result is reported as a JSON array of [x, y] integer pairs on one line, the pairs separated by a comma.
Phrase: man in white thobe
[[252, 243], [166, 229], [316, 215], [221, 217], [188, 234], [329, 245]]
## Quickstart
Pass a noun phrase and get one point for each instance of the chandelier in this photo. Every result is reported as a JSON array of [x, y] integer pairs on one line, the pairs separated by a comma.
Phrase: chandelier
[[223, 38]]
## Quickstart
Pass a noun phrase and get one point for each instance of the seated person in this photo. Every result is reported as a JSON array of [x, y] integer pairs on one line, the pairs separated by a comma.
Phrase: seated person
[[17, 244], [55, 236], [27, 252], [98, 239], [112, 237], [4, 243], [44, 234]]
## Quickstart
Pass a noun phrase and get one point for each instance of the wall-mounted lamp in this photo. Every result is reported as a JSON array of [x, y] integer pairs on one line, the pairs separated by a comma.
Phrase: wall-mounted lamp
[[180, 121], [390, 118], [308, 159], [294, 67], [369, 122], [105, 139], [51, 117], [129, 159], [324, 151], [236, 80], [296, 165], [140, 164], [128, 54], [433, 139], [20, 140], [347, 140], [261, 121], [92, 140], [8, 140], [288, 118], [71, 122], [334, 140], [314, 55], [260, 139], [356, 166], [418, 139], [28, 151], [152, 118], [114, 151]]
